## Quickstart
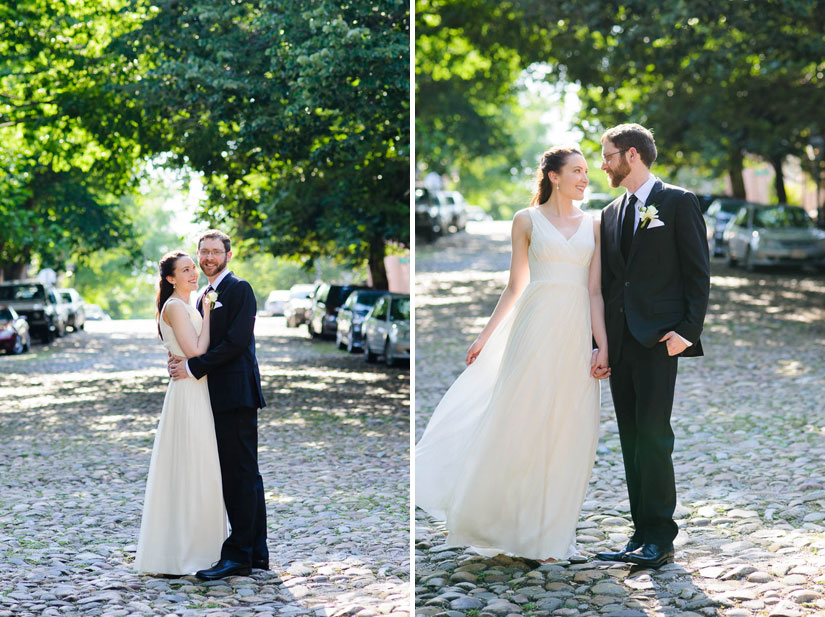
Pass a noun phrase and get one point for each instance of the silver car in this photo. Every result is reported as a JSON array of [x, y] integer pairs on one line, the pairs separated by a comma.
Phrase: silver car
[[775, 235], [351, 319], [386, 329]]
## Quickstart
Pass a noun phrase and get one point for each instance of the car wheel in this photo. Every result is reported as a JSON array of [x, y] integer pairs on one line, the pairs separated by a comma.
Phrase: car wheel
[[388, 358], [351, 348], [368, 355], [339, 341], [729, 258], [311, 330], [48, 336], [28, 341], [750, 266], [18, 346]]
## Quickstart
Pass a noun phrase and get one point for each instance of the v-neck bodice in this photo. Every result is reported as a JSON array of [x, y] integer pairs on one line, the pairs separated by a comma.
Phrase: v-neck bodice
[[554, 258]]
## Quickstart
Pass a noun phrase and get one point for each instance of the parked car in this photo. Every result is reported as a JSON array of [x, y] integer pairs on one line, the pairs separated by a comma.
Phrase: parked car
[[439, 212], [351, 318], [428, 223], [706, 199], [774, 235], [276, 301], [14, 331], [298, 305], [455, 207], [597, 201], [38, 304], [717, 216], [323, 314], [387, 329], [95, 313], [76, 318]]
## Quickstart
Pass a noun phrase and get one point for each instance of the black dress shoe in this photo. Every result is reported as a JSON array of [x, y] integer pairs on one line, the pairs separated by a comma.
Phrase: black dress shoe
[[620, 555], [651, 556], [222, 569], [260, 564]]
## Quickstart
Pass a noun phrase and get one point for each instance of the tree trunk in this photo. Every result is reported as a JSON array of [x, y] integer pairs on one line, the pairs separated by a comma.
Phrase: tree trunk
[[779, 180], [735, 166], [12, 272], [378, 270]]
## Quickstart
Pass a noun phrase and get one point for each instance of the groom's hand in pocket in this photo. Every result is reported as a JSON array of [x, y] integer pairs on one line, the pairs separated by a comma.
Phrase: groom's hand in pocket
[[675, 343]]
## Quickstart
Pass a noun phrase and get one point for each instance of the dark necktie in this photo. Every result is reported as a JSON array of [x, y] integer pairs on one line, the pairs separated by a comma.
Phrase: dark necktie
[[203, 297], [628, 223]]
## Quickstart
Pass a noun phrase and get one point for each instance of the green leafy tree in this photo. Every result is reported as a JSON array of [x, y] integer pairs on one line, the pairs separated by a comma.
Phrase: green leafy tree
[[296, 113], [62, 169]]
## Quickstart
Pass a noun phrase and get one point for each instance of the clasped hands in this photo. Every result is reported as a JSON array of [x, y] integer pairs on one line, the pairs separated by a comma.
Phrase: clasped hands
[[177, 367], [599, 367]]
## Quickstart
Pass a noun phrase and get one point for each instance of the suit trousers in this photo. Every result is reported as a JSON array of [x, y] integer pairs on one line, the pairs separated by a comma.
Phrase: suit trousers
[[243, 488], [642, 384]]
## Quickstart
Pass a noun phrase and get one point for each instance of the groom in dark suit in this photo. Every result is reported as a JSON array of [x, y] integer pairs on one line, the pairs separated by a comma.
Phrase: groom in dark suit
[[235, 394], [655, 283]]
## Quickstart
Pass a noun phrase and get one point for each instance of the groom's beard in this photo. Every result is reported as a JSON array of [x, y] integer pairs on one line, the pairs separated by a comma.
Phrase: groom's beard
[[214, 269], [616, 176]]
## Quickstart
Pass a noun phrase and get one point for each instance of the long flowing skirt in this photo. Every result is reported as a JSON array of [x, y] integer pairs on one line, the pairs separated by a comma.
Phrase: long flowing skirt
[[184, 519], [508, 453]]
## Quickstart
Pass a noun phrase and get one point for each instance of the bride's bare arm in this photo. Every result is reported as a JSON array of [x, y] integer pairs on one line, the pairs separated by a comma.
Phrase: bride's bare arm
[[594, 285], [177, 316], [519, 278]]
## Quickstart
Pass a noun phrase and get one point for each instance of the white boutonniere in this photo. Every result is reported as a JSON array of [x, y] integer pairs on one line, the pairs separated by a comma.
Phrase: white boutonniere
[[212, 298], [650, 217]]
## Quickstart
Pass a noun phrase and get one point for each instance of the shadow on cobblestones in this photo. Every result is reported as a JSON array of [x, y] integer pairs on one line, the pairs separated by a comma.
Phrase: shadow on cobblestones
[[76, 431], [749, 421]]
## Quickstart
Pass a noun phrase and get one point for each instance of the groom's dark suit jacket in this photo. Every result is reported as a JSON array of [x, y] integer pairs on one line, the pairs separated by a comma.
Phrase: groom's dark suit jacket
[[234, 379], [665, 283]]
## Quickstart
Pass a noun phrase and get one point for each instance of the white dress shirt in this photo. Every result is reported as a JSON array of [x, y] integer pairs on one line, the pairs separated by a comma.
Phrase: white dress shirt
[[214, 285]]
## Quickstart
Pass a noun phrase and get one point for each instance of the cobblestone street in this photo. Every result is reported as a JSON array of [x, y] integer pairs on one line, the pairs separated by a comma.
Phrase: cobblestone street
[[749, 420], [77, 424]]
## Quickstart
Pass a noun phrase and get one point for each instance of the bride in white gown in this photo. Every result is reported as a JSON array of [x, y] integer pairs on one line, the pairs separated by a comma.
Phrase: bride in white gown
[[506, 457], [184, 520]]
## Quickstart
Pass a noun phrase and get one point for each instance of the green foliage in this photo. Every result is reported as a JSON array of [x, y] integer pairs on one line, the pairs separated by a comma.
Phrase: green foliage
[[296, 113], [61, 169], [714, 80]]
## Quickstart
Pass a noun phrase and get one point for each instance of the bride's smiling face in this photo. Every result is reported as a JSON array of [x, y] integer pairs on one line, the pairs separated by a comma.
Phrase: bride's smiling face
[[185, 277], [572, 178]]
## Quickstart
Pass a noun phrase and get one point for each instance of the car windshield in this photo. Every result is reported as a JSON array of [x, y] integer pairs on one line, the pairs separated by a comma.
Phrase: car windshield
[[781, 217], [66, 296], [22, 292], [400, 309], [730, 207], [5, 314], [363, 302]]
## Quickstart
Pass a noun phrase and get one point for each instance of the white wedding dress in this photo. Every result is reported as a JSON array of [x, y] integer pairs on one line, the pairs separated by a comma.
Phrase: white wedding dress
[[506, 457], [184, 520]]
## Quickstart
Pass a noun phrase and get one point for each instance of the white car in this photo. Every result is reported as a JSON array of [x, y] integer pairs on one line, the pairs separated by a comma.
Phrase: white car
[[276, 301], [386, 329]]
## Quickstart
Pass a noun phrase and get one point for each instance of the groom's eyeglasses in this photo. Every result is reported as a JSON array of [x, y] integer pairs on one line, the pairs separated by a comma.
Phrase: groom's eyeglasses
[[607, 156], [211, 253]]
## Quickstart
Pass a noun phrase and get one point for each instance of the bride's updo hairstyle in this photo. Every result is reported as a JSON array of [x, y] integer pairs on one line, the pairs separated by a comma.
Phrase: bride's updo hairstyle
[[166, 267], [552, 160]]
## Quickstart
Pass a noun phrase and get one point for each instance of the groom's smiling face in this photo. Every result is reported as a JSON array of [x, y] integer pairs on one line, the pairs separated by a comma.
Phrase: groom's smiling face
[[614, 164], [212, 258]]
